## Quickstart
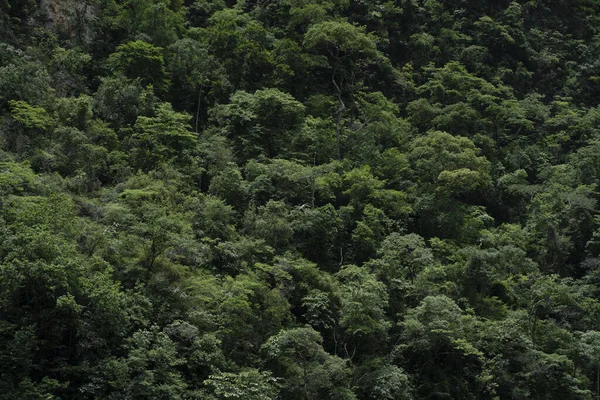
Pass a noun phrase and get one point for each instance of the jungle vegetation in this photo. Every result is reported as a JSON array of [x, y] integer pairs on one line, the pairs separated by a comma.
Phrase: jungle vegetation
[[299, 199]]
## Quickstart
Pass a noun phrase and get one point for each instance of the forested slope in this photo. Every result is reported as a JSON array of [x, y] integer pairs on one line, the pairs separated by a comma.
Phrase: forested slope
[[299, 199]]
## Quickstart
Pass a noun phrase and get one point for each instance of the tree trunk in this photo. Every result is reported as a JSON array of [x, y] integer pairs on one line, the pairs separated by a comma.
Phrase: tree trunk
[[198, 108], [598, 382], [338, 116]]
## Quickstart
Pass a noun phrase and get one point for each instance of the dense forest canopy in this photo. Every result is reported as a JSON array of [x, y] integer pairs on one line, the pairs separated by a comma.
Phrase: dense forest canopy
[[299, 199]]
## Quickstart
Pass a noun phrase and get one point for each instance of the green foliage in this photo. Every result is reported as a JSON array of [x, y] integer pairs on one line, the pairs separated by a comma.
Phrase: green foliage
[[67, 69], [362, 313], [22, 77], [243, 45], [402, 257], [391, 383], [251, 385], [340, 39], [31, 117], [159, 20], [150, 365], [140, 60], [438, 155], [262, 123], [165, 138], [299, 199], [308, 371], [120, 100]]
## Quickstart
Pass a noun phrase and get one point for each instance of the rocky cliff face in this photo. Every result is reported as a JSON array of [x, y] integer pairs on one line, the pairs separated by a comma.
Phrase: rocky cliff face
[[67, 17], [53, 13]]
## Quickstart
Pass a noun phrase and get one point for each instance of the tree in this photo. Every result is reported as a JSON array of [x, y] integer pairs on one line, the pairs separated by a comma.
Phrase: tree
[[22, 78], [391, 383], [362, 315], [148, 370], [163, 138], [119, 100], [308, 371], [560, 217], [251, 384], [271, 222], [67, 69], [34, 123], [160, 20], [62, 314], [243, 45], [141, 60], [402, 256], [349, 51], [436, 349], [589, 347], [194, 73], [447, 170], [263, 123]]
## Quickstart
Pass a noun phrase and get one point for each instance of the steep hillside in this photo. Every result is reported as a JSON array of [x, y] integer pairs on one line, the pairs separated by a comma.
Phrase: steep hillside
[[299, 199]]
